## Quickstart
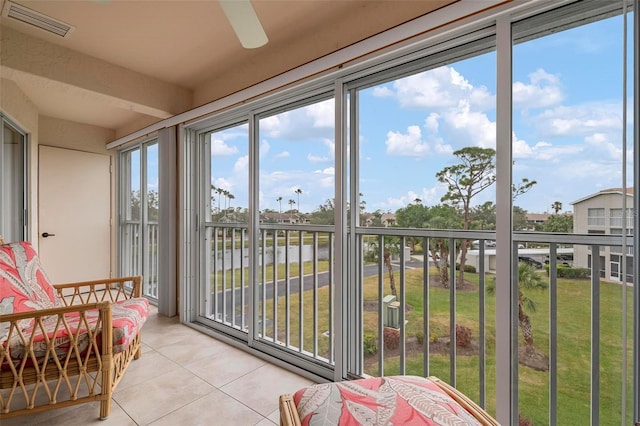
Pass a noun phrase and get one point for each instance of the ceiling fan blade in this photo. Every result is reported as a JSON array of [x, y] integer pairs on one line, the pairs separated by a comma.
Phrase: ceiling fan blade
[[245, 22]]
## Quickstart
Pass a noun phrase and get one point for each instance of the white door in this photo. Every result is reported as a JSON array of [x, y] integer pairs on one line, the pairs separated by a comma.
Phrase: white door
[[615, 270], [74, 214]]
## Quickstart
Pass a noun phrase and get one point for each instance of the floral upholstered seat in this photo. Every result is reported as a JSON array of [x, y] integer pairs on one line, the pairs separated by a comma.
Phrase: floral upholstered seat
[[393, 400]]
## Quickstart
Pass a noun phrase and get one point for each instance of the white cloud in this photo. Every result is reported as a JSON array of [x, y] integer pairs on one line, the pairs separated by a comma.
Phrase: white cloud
[[543, 90], [309, 122], [317, 158], [520, 148], [406, 144], [218, 147], [264, 148], [428, 196], [411, 144], [382, 92], [602, 142], [271, 126], [431, 122], [223, 183], [596, 139], [283, 154], [241, 165], [322, 113], [476, 126], [556, 154], [583, 119], [438, 88]]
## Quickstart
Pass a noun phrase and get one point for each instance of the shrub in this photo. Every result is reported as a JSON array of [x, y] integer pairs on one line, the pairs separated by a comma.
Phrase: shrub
[[369, 344], [433, 337], [523, 421], [420, 337], [463, 336], [570, 272], [391, 338], [467, 268]]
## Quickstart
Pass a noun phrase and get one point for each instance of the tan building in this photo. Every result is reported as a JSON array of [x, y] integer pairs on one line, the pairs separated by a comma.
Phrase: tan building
[[601, 213]]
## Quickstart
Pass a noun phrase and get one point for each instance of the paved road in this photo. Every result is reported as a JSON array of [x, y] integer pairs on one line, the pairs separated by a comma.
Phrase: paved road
[[294, 285]]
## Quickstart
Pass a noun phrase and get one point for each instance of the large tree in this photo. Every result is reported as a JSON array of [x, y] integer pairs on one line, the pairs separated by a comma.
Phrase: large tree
[[483, 216], [474, 173], [412, 216], [558, 223], [442, 217]]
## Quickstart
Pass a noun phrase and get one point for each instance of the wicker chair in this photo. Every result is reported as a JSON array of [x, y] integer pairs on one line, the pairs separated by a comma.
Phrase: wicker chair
[[65, 344]]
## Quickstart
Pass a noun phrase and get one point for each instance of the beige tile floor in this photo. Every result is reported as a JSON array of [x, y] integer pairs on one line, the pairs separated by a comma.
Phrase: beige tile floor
[[185, 378]]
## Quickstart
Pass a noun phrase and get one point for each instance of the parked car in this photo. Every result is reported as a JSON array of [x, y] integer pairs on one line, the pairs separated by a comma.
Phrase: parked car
[[530, 261], [562, 259]]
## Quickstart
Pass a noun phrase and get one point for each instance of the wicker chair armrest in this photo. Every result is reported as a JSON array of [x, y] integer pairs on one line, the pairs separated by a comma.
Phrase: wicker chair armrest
[[481, 415], [109, 289], [42, 313], [288, 411]]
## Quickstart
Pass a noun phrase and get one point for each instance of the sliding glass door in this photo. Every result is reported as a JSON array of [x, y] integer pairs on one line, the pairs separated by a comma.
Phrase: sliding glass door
[[139, 204], [13, 190]]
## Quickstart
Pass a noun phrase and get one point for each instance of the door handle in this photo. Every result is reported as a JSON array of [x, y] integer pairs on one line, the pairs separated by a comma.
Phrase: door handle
[[46, 234]]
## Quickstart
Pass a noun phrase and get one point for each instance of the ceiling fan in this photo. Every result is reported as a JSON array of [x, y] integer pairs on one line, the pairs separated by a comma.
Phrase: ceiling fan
[[245, 22]]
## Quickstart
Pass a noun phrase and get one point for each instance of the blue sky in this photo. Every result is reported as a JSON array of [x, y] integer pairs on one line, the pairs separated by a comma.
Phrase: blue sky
[[567, 129]]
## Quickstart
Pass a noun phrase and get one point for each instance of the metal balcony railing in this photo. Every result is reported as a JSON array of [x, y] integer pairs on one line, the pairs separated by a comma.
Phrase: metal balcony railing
[[139, 255], [424, 326]]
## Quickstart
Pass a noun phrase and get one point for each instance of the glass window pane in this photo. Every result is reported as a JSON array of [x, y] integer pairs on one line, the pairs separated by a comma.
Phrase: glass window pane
[[229, 174], [296, 165], [13, 184]]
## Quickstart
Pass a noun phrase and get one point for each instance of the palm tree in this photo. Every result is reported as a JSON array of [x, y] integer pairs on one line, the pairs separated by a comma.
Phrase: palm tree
[[279, 200], [298, 191], [556, 206], [291, 203], [528, 279], [220, 191], [213, 199], [418, 201]]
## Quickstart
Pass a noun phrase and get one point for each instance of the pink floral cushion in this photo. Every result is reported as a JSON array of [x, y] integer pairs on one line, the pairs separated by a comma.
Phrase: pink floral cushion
[[24, 280], [24, 286], [394, 400], [128, 316]]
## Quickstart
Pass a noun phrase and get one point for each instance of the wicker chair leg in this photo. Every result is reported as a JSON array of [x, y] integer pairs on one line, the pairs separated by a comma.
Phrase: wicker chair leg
[[105, 408]]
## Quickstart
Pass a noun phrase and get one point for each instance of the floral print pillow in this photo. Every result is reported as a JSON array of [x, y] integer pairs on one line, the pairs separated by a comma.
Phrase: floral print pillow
[[24, 286]]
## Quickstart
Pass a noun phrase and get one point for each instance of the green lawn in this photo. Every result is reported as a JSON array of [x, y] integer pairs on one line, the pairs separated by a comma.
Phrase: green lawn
[[574, 319]]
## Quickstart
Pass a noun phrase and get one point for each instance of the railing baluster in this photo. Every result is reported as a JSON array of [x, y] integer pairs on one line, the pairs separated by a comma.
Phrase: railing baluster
[[233, 276], [332, 355], [425, 308], [381, 312], [300, 292], [224, 276], [452, 312], [287, 297], [595, 335], [243, 279], [553, 338], [481, 329], [275, 286], [215, 273], [315, 294], [403, 331]]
